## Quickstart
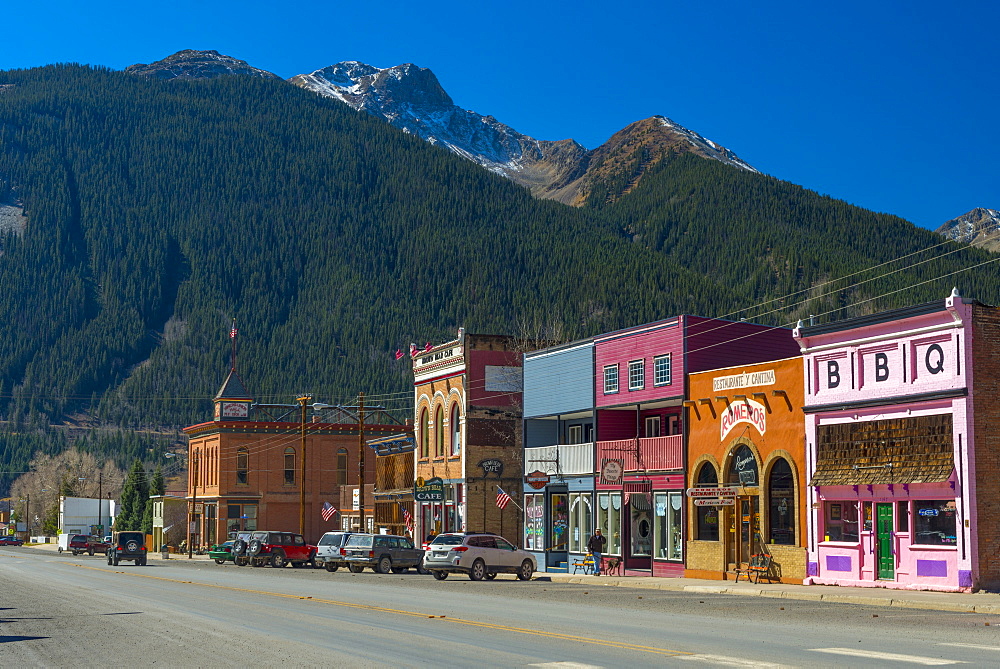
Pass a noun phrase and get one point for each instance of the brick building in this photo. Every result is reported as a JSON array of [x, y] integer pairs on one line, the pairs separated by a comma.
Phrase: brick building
[[246, 469], [467, 396]]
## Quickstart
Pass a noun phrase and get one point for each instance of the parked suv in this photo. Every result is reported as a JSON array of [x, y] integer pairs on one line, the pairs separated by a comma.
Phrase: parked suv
[[127, 546], [381, 552], [480, 555], [274, 548], [82, 543], [330, 550]]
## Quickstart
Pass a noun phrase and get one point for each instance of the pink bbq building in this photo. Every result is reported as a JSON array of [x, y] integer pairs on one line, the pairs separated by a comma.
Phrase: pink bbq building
[[902, 458]]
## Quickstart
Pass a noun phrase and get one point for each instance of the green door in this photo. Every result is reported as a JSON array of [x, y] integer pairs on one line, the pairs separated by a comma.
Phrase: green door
[[886, 559]]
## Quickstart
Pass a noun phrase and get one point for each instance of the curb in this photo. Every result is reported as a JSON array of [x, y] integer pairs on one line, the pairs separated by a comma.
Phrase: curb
[[885, 598]]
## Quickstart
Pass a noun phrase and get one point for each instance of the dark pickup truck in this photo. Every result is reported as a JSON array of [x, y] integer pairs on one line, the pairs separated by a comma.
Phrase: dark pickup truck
[[82, 543]]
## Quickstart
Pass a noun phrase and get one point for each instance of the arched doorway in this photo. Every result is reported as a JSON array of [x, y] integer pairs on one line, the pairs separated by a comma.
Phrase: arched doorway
[[743, 538]]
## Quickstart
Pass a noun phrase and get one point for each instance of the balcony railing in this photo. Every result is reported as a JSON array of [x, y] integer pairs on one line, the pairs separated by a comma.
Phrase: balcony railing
[[648, 454], [562, 459]]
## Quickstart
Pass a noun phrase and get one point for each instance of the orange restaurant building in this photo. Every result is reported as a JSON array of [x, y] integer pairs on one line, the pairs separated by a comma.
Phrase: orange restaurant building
[[746, 438]]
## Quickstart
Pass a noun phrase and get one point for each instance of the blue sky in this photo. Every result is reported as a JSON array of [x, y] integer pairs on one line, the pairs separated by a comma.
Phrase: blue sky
[[891, 106]]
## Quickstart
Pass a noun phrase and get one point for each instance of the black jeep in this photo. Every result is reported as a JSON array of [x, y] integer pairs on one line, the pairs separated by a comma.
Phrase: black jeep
[[127, 546]]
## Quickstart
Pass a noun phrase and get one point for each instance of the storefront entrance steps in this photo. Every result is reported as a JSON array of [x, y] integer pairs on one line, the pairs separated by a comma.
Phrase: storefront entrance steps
[[981, 602]]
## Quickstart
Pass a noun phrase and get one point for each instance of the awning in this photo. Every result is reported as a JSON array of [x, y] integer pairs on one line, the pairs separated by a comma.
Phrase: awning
[[396, 443]]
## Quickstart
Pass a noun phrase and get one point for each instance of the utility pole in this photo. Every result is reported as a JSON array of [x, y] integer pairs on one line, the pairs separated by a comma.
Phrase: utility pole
[[361, 460], [302, 477], [100, 501]]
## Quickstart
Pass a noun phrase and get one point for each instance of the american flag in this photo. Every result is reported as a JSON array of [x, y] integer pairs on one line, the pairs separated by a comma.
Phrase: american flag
[[328, 511], [232, 332], [503, 499], [407, 517]]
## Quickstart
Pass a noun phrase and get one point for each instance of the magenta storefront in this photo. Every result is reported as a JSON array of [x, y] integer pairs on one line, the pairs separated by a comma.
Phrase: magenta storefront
[[890, 448]]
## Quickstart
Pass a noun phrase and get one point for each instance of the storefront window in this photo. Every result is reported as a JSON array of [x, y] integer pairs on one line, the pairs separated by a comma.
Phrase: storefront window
[[841, 521], [667, 525], [534, 522], [560, 522], [934, 522], [241, 517], [707, 516], [579, 521], [902, 517], [609, 520], [781, 496]]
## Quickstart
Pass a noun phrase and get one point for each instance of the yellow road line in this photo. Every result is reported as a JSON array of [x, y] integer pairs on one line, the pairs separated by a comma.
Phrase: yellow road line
[[415, 614]]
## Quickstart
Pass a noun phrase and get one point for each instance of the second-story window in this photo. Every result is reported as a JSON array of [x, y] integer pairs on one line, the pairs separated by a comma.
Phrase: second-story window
[[342, 466], [661, 370], [289, 466], [574, 434], [242, 465], [424, 428], [637, 375], [456, 431], [439, 433], [610, 379]]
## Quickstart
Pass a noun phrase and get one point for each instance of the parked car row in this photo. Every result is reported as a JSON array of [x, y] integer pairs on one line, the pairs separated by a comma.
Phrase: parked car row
[[478, 554], [10, 540]]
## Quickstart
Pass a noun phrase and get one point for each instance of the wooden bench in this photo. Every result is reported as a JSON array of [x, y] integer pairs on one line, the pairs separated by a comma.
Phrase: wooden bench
[[758, 567], [586, 564]]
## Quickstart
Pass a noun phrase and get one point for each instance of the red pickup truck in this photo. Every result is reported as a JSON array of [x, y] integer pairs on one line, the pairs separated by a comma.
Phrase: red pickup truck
[[82, 543]]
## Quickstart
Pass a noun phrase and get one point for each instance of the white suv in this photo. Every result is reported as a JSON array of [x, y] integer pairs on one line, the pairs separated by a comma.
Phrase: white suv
[[479, 555]]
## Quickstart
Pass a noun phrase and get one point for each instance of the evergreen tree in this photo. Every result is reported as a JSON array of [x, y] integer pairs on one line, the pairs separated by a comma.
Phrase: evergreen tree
[[135, 495]]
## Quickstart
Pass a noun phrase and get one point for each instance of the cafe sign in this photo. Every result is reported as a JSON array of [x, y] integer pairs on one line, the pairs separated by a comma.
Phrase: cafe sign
[[491, 466], [431, 490]]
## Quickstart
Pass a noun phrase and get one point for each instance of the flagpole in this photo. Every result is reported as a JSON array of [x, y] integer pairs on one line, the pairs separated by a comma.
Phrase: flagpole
[[499, 489]]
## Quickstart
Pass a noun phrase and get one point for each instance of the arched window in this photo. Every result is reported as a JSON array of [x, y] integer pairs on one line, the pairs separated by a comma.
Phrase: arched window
[[708, 516], [424, 450], [456, 431], [342, 466], [242, 465], [743, 467], [439, 432], [781, 503], [289, 466]]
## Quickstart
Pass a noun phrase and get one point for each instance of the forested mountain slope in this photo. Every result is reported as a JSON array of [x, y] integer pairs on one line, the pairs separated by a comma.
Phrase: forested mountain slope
[[157, 211]]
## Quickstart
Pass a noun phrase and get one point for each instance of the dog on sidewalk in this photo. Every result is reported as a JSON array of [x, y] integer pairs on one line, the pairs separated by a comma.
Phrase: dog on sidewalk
[[611, 566]]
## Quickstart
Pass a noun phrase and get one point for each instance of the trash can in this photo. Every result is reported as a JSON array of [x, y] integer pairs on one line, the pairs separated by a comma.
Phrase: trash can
[[165, 551]]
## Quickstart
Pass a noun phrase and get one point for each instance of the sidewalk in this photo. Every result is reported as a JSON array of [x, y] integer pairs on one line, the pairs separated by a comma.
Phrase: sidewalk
[[981, 602]]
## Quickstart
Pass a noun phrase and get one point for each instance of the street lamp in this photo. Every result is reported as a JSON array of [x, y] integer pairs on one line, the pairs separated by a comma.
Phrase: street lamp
[[302, 400]]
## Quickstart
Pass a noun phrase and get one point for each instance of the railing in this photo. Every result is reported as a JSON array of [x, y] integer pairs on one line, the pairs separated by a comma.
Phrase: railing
[[648, 454], [572, 459]]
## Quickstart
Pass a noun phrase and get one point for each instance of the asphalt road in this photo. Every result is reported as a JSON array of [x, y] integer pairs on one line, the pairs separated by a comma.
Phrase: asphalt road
[[58, 610]]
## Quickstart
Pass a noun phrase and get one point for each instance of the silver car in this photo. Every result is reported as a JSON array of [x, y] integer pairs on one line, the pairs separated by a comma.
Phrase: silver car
[[479, 555], [330, 550]]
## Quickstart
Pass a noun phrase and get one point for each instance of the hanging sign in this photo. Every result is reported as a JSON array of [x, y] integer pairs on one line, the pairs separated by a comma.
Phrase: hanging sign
[[611, 471], [537, 479], [715, 501], [713, 492]]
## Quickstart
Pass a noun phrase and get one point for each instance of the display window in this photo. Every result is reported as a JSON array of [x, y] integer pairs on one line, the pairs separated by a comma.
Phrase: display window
[[781, 500], [667, 526], [707, 517], [935, 522], [640, 514], [579, 521], [534, 522], [841, 521], [609, 507]]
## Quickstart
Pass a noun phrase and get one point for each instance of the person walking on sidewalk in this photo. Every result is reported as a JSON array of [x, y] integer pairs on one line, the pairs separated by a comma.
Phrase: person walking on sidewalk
[[596, 546]]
